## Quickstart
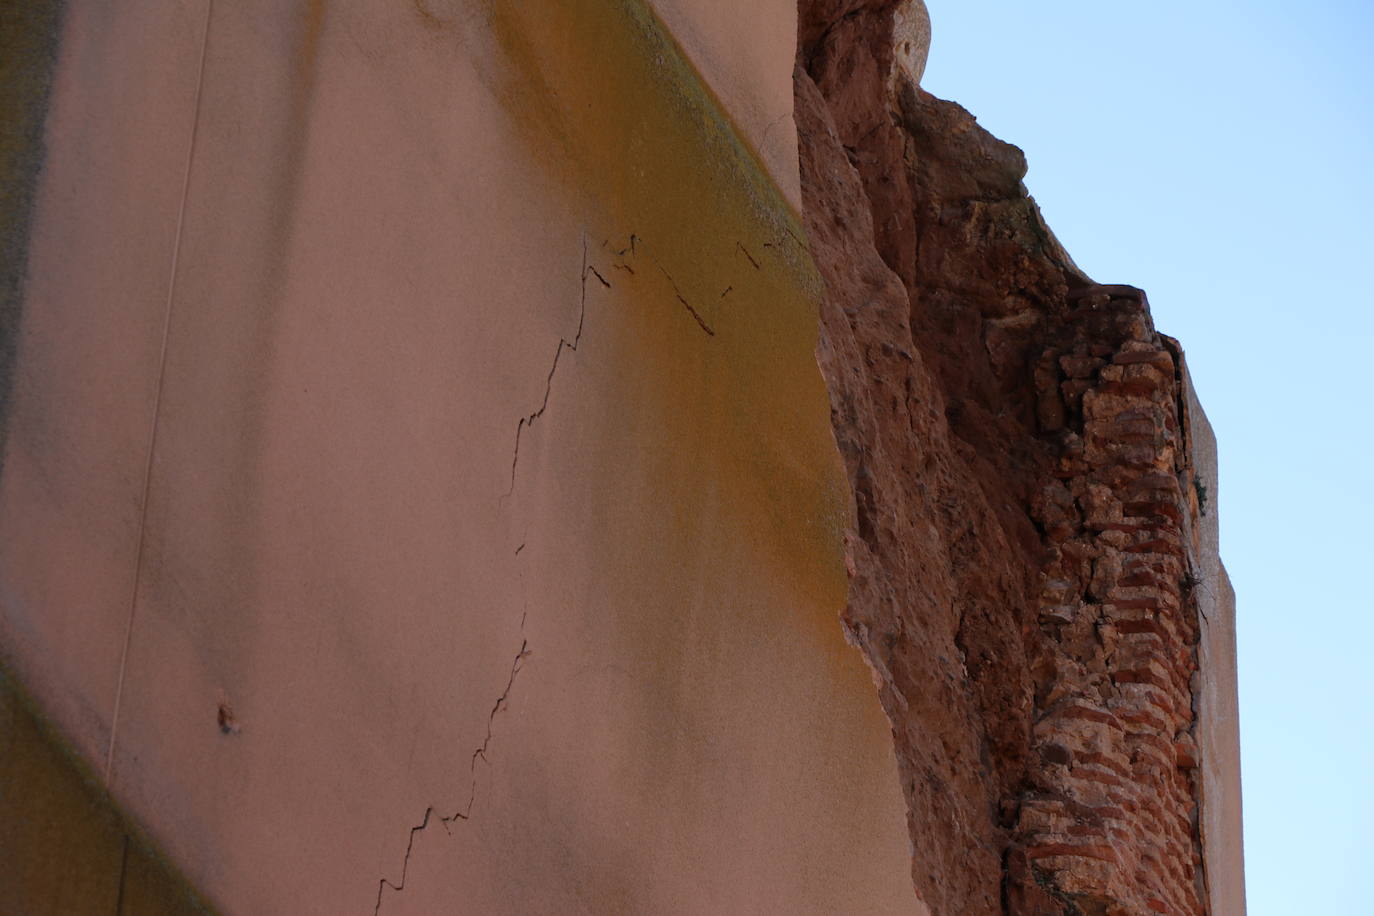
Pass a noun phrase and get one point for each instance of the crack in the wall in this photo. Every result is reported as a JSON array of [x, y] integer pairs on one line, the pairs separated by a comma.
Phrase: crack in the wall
[[633, 249], [701, 322], [745, 252], [596, 273], [691, 310], [563, 344], [465, 812], [800, 242]]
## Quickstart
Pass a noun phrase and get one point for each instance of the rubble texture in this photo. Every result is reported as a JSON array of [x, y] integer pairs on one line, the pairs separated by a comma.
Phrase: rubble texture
[[1025, 509]]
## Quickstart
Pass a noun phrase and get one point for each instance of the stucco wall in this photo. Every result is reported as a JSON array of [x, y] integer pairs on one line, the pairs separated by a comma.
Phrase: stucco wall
[[67, 852], [1218, 707], [416, 422], [745, 53]]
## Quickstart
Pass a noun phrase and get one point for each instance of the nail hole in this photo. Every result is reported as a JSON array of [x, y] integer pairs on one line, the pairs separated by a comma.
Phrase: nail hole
[[228, 724]]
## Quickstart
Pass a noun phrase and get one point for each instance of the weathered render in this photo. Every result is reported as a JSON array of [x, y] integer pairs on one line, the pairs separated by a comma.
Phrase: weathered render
[[420, 486]]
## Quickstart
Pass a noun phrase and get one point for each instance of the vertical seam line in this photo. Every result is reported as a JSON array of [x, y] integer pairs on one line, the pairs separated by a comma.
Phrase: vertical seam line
[[157, 397], [123, 875]]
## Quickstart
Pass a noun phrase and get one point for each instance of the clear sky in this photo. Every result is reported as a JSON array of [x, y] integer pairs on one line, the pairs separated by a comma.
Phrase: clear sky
[[1220, 155]]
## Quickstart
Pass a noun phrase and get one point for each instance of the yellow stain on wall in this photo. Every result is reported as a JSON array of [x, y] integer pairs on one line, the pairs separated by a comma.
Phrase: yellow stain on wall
[[722, 311]]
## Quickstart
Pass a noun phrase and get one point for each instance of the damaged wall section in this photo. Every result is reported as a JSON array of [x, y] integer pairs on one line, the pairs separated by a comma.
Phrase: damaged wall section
[[1034, 571]]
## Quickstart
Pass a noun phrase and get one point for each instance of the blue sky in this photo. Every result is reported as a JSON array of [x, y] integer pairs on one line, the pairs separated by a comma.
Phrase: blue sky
[[1220, 155]]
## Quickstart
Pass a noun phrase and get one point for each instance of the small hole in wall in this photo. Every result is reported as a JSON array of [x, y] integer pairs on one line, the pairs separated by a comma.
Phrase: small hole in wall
[[228, 724], [906, 47]]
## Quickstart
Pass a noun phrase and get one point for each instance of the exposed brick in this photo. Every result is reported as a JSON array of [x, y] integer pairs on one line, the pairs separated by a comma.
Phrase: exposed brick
[[1088, 851], [1060, 439]]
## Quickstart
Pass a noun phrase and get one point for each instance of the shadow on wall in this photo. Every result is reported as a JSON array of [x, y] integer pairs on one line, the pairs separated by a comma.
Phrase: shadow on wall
[[64, 848], [28, 52]]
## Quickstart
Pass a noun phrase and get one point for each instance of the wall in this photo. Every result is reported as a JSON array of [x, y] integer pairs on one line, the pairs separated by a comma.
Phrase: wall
[[1218, 712], [67, 850], [419, 491], [1036, 578]]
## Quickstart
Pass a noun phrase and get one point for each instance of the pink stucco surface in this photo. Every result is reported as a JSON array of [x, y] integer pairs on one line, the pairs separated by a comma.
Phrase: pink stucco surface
[[88, 352], [267, 546]]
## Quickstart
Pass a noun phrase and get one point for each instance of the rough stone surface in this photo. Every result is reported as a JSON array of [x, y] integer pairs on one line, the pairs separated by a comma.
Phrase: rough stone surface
[[1015, 436], [911, 38]]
